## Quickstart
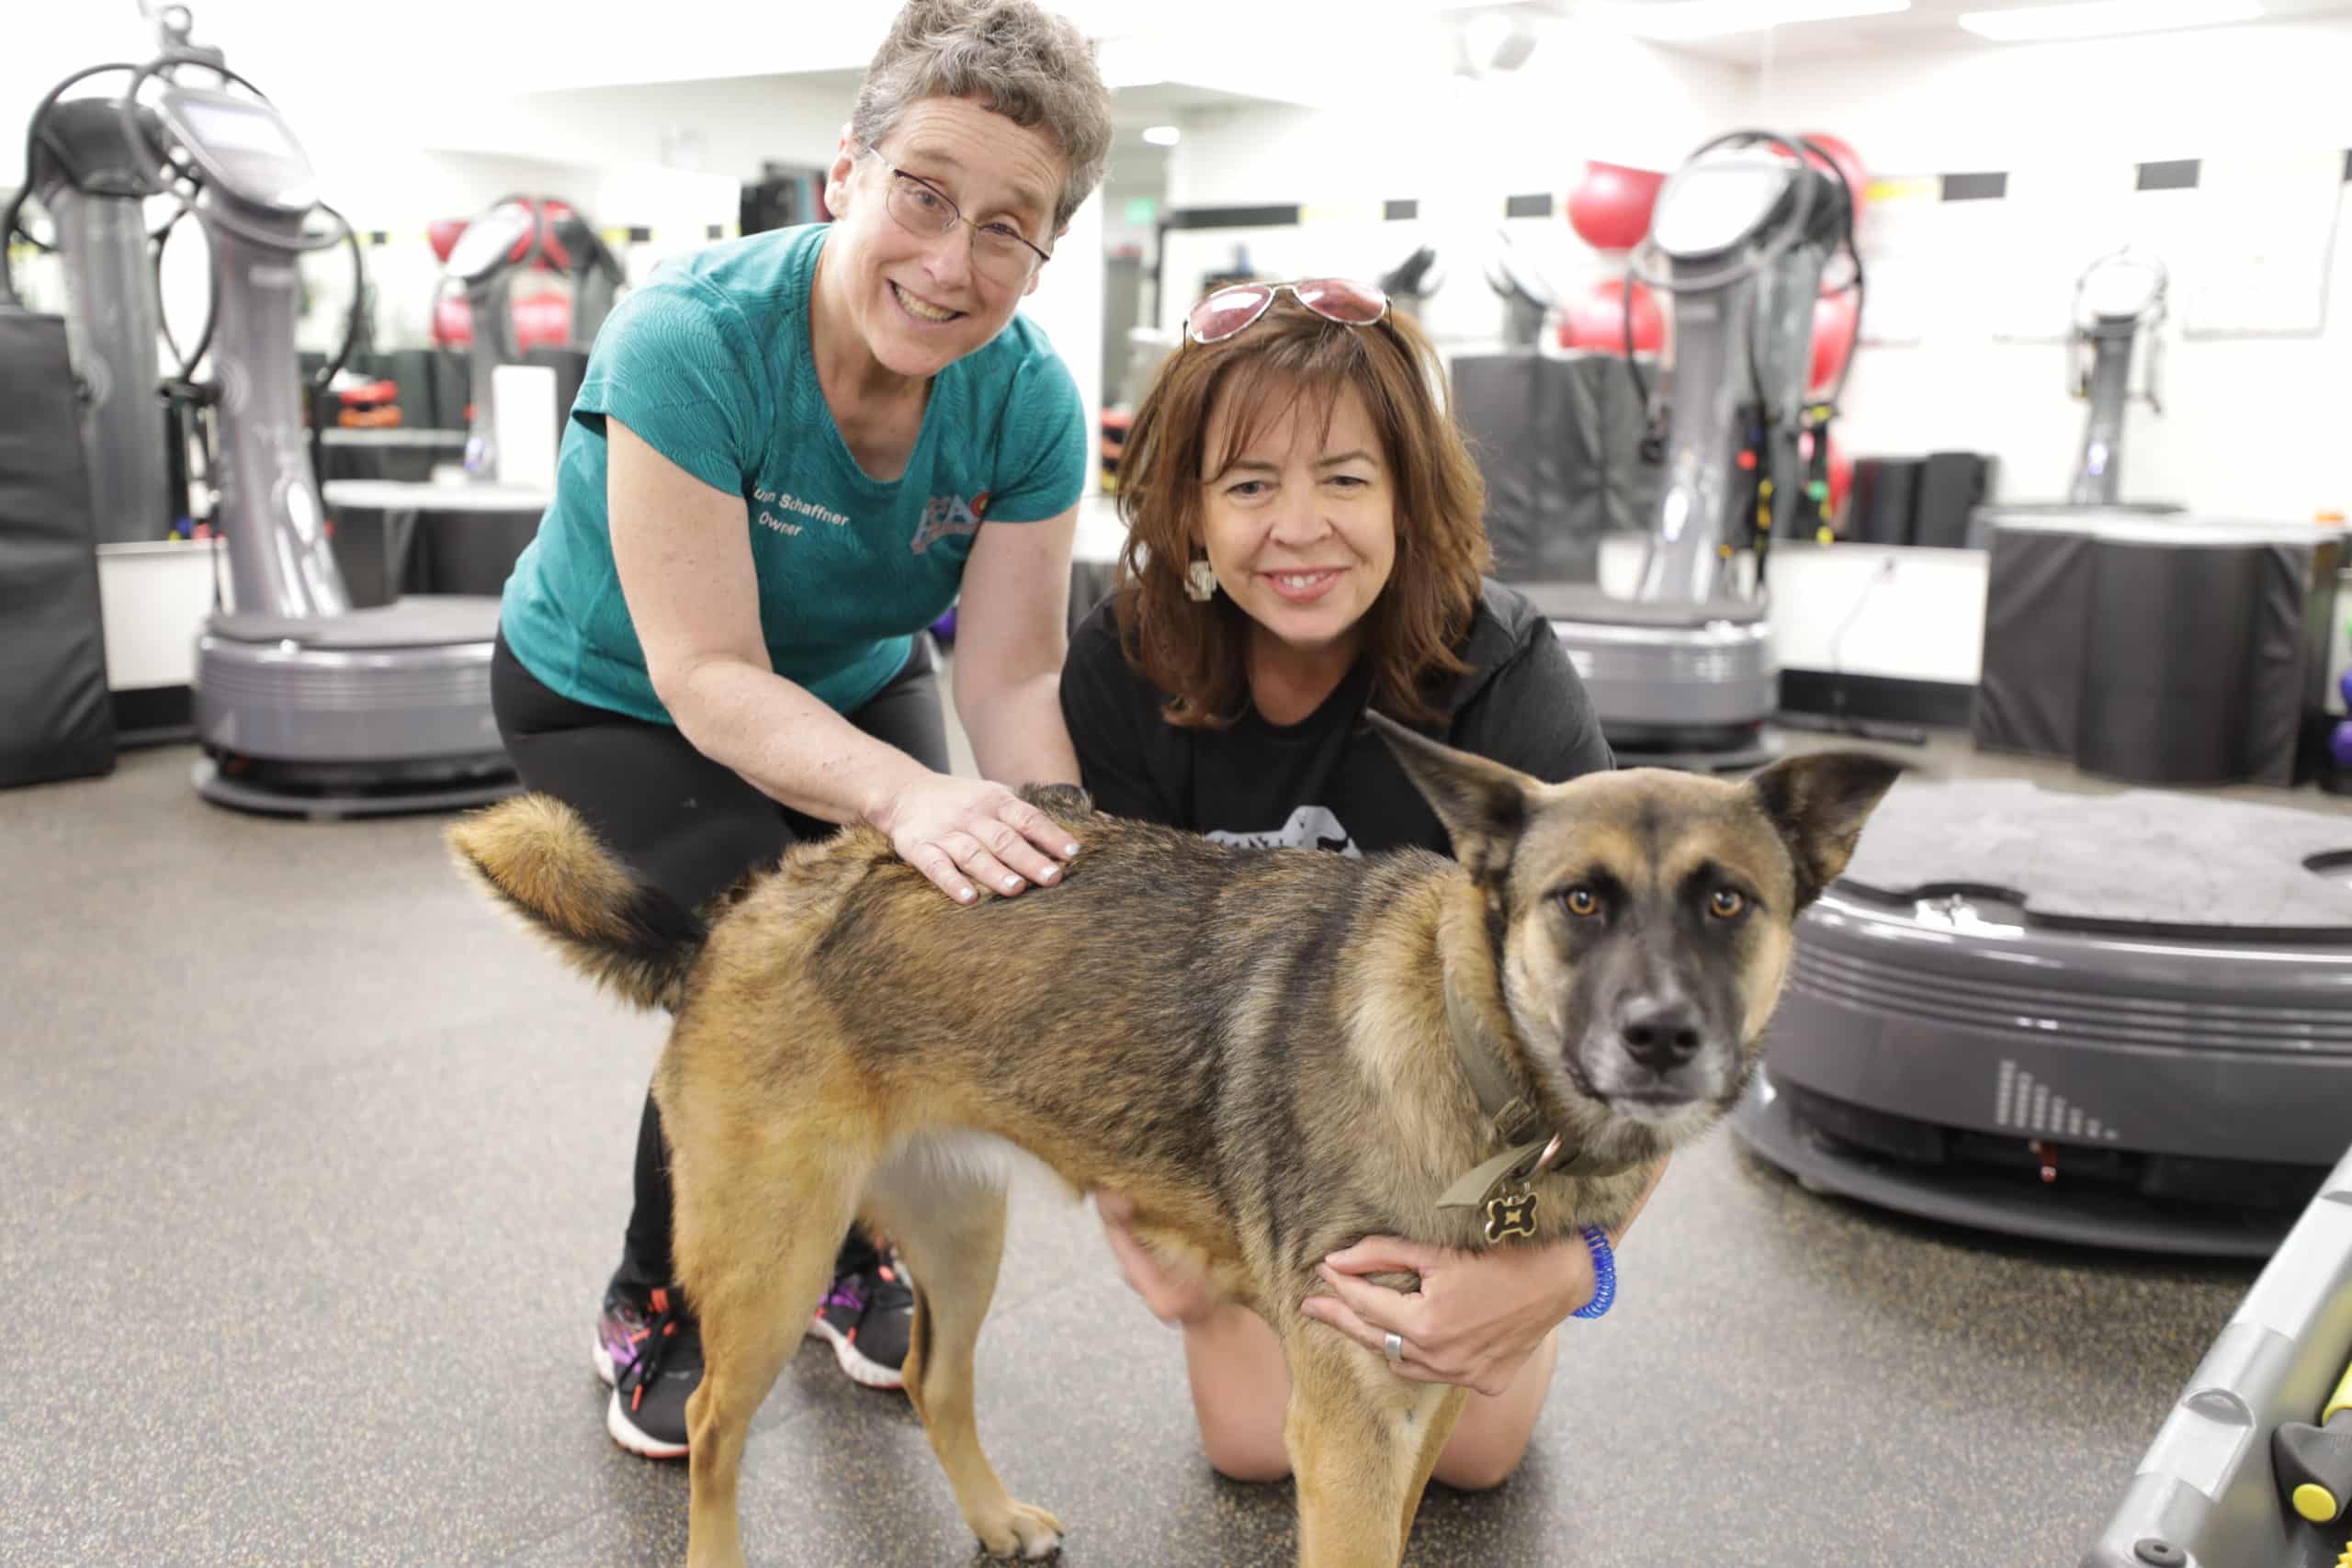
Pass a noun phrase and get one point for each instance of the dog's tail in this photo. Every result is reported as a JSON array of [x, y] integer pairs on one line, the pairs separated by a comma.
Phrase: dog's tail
[[539, 858]]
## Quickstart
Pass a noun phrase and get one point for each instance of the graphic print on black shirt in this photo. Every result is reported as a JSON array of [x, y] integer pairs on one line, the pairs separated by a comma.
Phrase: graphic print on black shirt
[[1309, 827], [1328, 781]]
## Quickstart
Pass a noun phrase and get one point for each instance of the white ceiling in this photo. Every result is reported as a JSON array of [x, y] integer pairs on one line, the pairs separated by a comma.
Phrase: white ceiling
[[1233, 49], [1927, 26], [1230, 53]]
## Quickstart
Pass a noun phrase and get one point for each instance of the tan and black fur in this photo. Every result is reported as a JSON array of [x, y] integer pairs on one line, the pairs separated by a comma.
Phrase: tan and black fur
[[1258, 1046]]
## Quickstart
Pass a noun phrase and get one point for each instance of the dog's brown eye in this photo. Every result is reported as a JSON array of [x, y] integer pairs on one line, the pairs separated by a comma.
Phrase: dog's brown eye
[[1726, 903], [1582, 902]]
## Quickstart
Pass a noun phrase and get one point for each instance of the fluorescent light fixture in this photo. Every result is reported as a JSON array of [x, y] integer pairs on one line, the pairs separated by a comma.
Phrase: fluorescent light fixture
[[1678, 19], [1163, 135], [2103, 18]]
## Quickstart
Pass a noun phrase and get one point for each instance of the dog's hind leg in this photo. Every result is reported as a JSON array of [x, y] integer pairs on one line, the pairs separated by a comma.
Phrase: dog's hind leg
[[1363, 1443], [757, 1230], [948, 1223]]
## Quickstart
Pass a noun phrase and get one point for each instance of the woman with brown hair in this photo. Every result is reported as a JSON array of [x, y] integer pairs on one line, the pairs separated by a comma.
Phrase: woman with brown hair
[[1306, 541]]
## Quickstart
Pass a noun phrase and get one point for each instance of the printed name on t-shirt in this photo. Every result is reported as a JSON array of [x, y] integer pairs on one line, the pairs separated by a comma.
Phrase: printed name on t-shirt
[[792, 503]]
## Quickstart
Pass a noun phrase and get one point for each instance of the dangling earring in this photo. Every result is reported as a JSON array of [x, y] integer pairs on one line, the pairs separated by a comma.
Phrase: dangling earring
[[1200, 582]]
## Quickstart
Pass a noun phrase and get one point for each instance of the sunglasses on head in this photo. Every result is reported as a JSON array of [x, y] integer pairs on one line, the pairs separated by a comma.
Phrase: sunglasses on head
[[1234, 309]]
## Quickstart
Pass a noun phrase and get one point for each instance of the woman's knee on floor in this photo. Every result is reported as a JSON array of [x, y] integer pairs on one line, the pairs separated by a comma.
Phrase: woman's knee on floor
[[1492, 1436], [1242, 1450], [1483, 1463]]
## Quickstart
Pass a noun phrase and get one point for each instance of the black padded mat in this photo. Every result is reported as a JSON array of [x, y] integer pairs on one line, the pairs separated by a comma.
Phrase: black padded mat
[[2141, 857]]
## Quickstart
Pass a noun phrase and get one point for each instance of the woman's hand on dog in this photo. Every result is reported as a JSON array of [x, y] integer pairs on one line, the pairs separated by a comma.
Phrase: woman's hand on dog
[[1478, 1315], [1176, 1298], [953, 829]]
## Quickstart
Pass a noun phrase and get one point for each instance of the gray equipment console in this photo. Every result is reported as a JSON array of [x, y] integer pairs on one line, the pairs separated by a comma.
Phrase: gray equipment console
[[303, 704], [1743, 232]]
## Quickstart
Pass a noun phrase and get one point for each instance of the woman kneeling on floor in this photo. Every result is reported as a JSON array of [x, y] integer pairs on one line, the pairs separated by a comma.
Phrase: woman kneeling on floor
[[1306, 539]]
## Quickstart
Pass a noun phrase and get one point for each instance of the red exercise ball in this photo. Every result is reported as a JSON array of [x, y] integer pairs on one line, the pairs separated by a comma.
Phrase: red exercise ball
[[1835, 319], [1840, 154], [542, 321], [538, 321], [453, 321], [1598, 320], [1609, 209]]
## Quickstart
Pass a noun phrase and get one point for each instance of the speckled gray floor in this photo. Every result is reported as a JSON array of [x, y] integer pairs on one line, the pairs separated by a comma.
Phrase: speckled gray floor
[[311, 1170]]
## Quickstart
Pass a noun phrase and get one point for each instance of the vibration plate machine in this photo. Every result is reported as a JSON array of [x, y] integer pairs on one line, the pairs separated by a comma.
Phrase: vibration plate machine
[[2118, 1020], [302, 704], [1682, 671]]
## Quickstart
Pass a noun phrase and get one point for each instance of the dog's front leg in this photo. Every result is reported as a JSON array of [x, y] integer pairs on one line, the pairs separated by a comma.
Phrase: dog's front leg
[[1363, 1443]]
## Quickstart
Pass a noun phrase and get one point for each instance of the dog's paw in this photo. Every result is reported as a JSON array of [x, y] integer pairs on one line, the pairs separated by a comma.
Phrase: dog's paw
[[1028, 1533]]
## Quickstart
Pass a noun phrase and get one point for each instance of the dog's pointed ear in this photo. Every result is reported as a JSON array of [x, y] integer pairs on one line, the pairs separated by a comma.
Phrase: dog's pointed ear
[[1819, 802], [1483, 805]]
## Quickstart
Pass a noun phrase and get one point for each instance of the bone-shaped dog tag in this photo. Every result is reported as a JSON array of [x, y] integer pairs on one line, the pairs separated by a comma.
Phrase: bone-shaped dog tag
[[1512, 1214]]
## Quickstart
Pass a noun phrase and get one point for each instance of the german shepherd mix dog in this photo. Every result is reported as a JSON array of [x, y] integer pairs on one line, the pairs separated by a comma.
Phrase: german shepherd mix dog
[[1275, 1053]]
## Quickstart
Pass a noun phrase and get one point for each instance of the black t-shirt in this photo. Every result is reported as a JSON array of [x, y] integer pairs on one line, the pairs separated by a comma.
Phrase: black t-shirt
[[1327, 781]]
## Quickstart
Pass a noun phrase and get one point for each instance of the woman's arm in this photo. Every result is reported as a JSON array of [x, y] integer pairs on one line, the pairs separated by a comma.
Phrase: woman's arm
[[683, 550], [1010, 637], [1475, 1317]]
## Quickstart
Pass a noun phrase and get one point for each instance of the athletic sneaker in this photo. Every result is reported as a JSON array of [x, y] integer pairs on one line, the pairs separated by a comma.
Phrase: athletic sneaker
[[649, 1349], [869, 1315]]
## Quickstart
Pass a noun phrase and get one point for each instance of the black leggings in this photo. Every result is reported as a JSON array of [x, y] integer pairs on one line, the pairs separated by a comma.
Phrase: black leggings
[[687, 827]]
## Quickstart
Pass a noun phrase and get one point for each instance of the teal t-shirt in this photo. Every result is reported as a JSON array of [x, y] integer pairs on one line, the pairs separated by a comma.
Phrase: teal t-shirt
[[709, 362]]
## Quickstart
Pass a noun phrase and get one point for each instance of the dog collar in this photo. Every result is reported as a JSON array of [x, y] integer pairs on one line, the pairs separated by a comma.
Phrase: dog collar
[[1503, 1186]]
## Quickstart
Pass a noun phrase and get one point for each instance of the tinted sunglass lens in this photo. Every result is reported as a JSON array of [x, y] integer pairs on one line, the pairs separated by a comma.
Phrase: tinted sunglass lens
[[1337, 300], [1228, 310]]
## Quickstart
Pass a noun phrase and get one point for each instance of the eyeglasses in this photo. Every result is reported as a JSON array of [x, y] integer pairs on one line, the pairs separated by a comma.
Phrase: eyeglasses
[[1234, 309], [998, 250]]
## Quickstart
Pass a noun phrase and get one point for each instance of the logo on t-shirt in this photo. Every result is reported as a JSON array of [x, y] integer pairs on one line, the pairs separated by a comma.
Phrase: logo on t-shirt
[[1309, 827], [948, 515]]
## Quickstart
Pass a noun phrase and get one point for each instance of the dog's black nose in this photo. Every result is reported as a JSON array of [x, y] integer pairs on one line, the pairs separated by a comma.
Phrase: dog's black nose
[[1660, 1032]]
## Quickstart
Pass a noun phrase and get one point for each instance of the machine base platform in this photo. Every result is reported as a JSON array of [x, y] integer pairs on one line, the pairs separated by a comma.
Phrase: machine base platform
[[2119, 1020], [375, 712], [2013, 1202], [268, 797], [1666, 685], [1734, 756]]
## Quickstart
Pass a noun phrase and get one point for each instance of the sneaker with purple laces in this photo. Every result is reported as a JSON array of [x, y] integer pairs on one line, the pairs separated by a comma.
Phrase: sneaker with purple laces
[[649, 1347], [868, 1317]]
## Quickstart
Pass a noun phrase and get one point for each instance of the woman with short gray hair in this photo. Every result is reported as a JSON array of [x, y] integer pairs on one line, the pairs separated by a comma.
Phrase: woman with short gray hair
[[790, 455]]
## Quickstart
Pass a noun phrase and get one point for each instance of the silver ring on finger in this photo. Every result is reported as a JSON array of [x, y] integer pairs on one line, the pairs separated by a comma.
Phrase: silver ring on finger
[[1394, 1345]]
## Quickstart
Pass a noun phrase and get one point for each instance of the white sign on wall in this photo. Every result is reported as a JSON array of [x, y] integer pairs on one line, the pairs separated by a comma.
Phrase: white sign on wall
[[2258, 265]]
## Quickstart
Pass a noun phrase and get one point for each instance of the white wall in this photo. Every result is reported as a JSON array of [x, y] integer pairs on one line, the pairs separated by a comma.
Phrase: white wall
[[2253, 426], [403, 72], [728, 126], [725, 129], [1456, 147], [2182, 95], [670, 157], [1584, 92]]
